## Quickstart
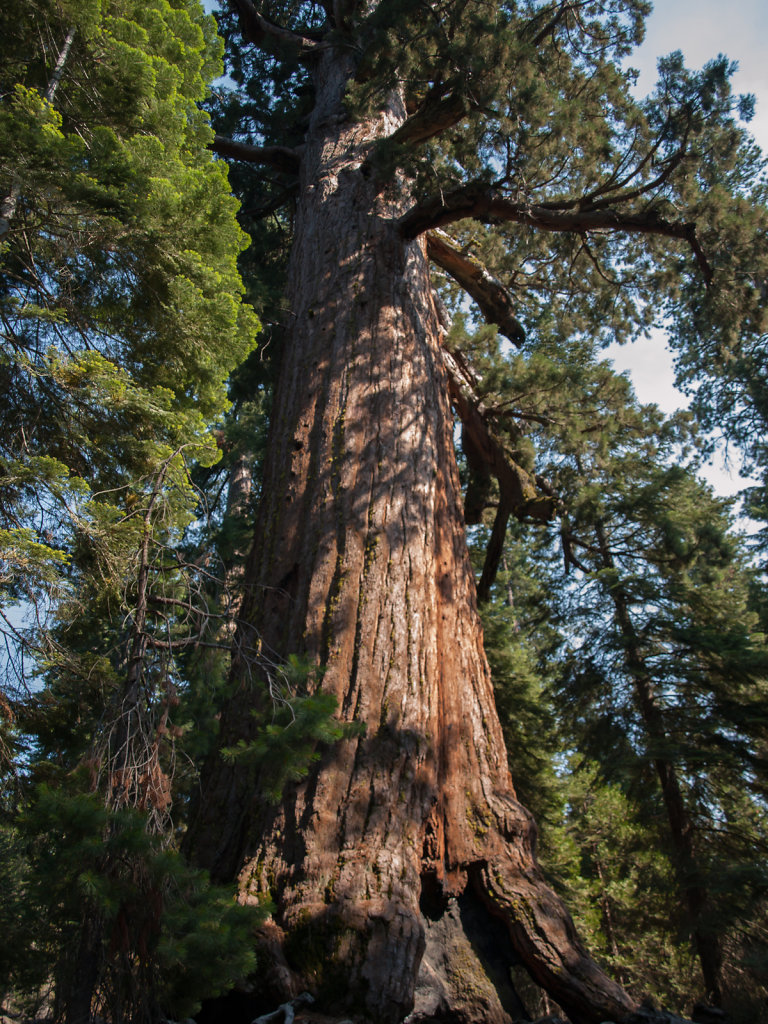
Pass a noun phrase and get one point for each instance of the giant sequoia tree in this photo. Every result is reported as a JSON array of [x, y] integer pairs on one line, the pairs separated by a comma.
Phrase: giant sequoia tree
[[375, 127]]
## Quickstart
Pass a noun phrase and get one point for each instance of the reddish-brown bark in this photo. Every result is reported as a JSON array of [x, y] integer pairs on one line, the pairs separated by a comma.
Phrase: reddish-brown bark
[[360, 561]]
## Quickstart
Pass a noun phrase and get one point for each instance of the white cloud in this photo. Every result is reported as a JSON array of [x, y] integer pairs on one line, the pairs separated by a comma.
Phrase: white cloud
[[648, 362]]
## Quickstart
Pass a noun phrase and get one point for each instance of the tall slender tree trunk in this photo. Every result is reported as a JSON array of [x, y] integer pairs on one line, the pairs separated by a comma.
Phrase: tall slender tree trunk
[[681, 826], [401, 838], [80, 985]]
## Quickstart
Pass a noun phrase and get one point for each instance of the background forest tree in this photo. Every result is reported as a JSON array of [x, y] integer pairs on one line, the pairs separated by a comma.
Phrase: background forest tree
[[122, 319], [622, 614]]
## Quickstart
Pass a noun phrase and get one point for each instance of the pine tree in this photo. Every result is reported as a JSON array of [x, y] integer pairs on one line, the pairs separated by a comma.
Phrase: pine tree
[[668, 665], [612, 863], [637, 566]]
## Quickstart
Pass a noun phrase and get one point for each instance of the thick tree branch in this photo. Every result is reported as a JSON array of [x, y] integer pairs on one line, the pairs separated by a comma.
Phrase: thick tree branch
[[488, 292], [493, 554], [282, 158], [518, 491], [517, 486], [482, 203], [560, 12], [441, 109], [437, 113], [280, 42]]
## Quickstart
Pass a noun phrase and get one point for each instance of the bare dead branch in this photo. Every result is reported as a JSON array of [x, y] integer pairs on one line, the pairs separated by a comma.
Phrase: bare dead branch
[[519, 493], [478, 282], [518, 488], [493, 554]]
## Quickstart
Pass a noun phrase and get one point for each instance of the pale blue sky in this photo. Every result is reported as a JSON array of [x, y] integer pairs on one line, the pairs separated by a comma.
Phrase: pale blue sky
[[702, 29]]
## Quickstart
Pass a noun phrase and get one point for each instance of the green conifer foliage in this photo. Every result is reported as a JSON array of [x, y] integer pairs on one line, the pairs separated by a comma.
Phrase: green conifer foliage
[[522, 642], [122, 317], [666, 672], [588, 217], [611, 861], [656, 671], [169, 938], [669, 675]]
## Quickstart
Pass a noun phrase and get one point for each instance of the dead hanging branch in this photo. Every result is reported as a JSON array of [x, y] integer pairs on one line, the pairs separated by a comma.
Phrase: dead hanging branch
[[493, 553], [493, 299], [523, 495], [519, 494], [518, 486]]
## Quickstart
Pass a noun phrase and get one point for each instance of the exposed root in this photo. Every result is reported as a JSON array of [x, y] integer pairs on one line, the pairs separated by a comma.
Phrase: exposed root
[[286, 1012]]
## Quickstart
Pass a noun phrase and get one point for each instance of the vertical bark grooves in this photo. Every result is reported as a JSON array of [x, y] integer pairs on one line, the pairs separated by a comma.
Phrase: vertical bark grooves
[[360, 562]]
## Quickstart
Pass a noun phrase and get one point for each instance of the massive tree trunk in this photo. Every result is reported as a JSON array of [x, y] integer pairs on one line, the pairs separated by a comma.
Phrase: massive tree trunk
[[410, 836]]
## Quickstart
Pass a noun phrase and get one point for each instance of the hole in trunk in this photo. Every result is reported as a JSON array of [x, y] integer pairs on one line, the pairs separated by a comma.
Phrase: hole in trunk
[[466, 974]]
